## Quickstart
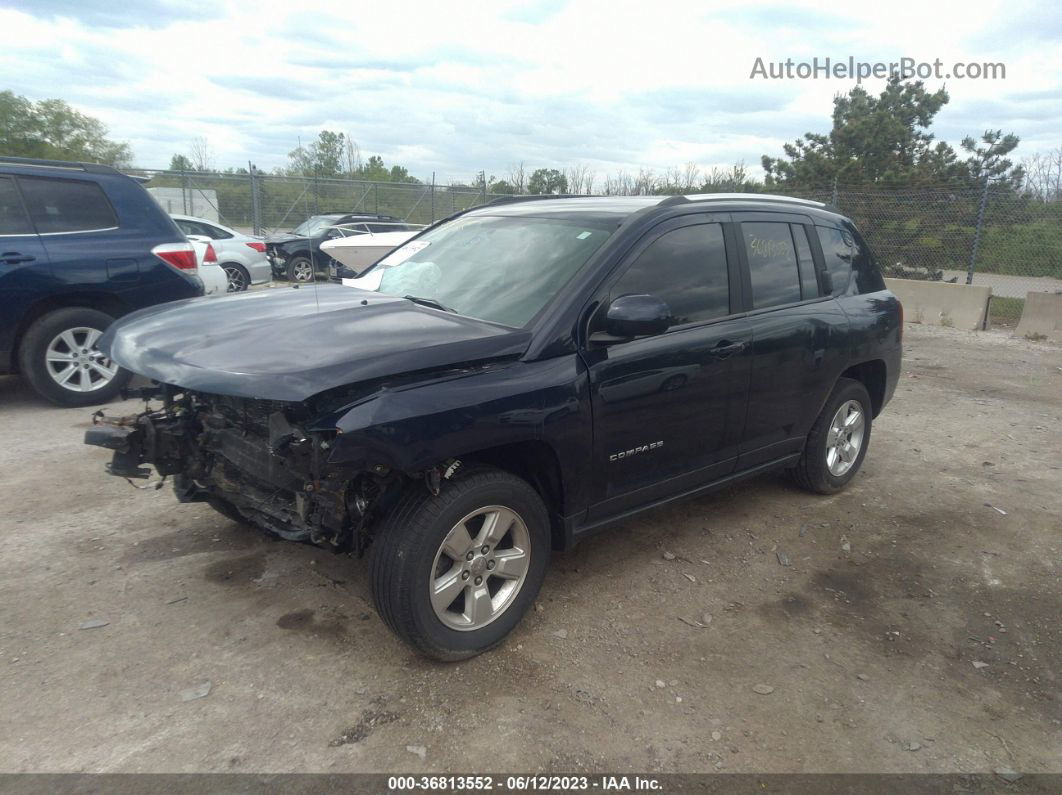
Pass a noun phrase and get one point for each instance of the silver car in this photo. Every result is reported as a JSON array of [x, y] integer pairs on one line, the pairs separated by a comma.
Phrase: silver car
[[242, 256]]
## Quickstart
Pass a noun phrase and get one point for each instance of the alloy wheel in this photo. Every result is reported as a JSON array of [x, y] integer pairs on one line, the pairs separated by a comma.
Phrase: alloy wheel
[[237, 281], [845, 437], [75, 363], [480, 568], [302, 271]]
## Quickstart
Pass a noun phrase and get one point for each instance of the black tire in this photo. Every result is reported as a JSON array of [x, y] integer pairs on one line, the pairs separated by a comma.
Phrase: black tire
[[299, 264], [812, 472], [33, 350], [237, 274], [403, 554]]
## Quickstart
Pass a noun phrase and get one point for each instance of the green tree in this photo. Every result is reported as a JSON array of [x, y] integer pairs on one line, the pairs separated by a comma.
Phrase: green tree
[[401, 174], [52, 129], [374, 169], [989, 161], [324, 157], [881, 140], [547, 180], [180, 163], [501, 187]]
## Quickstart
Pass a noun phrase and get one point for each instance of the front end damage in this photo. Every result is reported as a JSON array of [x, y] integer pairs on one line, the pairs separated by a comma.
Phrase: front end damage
[[254, 460]]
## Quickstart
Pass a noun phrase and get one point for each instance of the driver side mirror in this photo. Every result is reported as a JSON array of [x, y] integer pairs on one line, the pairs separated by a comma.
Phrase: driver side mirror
[[631, 316]]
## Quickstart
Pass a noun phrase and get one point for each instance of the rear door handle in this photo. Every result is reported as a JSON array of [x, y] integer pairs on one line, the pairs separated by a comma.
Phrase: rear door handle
[[14, 257], [725, 348]]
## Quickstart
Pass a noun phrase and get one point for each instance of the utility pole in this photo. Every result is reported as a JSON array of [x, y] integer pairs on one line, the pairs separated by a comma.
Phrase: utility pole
[[256, 200]]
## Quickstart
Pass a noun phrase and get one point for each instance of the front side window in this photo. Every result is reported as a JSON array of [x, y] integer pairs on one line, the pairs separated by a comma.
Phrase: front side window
[[13, 220], [686, 268], [66, 205], [495, 268], [772, 264]]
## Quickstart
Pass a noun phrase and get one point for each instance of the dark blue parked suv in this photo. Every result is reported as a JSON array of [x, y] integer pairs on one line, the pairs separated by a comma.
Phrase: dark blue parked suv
[[80, 245]]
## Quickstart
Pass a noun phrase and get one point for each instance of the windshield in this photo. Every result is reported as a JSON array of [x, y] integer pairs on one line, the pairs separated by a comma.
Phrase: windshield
[[314, 225], [501, 269]]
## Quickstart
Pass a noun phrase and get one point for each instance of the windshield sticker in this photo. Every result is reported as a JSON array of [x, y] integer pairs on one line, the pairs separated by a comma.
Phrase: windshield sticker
[[583, 235], [400, 255]]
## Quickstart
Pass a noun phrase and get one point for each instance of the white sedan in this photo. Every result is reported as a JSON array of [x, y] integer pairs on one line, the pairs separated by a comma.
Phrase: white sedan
[[242, 257]]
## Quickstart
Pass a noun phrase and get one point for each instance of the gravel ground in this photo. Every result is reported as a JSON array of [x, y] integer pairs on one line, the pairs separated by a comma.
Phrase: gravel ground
[[911, 623]]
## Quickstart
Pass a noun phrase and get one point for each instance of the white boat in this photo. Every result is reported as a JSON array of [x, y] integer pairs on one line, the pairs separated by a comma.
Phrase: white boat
[[359, 251]]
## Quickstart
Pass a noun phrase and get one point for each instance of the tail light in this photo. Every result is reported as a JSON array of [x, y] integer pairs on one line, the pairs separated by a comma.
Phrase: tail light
[[180, 255], [211, 257], [259, 247]]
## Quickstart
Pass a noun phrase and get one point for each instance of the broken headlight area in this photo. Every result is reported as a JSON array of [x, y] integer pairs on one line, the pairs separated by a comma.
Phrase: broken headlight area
[[252, 460]]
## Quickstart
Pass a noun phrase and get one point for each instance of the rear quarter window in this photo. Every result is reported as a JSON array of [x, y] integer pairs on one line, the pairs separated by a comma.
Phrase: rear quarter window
[[66, 205], [850, 264]]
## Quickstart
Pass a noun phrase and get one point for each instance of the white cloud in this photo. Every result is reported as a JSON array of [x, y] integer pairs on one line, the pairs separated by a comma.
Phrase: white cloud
[[456, 87]]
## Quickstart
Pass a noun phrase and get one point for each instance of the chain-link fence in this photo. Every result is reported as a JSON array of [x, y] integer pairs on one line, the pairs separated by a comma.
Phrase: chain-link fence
[[264, 204], [983, 235], [987, 235]]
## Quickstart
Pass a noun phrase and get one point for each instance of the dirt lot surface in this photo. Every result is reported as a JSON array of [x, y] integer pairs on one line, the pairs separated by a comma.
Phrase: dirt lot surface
[[903, 625]]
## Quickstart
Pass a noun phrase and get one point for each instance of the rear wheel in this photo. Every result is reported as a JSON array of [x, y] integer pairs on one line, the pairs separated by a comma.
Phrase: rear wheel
[[452, 575], [300, 269], [59, 357], [838, 441], [239, 279]]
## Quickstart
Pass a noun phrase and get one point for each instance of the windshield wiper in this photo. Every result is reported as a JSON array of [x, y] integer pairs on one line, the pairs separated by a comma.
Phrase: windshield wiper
[[416, 299]]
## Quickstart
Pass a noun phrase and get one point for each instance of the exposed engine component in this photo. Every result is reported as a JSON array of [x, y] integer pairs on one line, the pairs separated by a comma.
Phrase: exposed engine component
[[250, 459]]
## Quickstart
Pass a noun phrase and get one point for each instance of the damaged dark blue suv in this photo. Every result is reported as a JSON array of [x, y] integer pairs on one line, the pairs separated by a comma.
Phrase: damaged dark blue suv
[[514, 379]]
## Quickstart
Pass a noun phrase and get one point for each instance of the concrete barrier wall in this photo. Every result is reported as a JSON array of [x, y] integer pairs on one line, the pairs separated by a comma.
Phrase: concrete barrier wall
[[1042, 316], [942, 304]]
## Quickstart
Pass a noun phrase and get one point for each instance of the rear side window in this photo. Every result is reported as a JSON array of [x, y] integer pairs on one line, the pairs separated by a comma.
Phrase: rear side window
[[13, 220], [686, 268], [773, 266], [837, 250], [63, 205]]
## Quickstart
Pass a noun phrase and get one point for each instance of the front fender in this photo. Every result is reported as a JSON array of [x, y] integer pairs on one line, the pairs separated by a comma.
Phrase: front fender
[[414, 428]]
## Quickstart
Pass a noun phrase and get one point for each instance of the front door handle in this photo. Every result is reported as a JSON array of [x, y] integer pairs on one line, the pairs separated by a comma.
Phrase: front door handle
[[725, 348], [14, 257]]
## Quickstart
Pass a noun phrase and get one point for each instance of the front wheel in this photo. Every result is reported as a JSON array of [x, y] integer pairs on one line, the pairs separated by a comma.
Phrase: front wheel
[[838, 441], [300, 270], [452, 575]]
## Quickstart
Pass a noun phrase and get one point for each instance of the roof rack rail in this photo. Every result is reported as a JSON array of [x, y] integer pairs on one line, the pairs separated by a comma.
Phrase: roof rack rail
[[532, 197], [69, 165], [768, 197], [355, 212]]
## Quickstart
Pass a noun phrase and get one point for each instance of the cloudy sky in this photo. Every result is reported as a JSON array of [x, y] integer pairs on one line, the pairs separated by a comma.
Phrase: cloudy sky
[[455, 87]]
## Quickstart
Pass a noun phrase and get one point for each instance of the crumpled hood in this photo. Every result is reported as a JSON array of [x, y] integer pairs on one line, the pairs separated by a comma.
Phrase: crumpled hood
[[289, 344]]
